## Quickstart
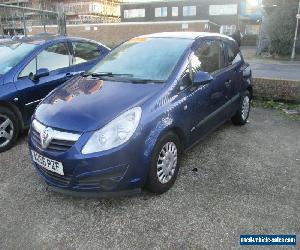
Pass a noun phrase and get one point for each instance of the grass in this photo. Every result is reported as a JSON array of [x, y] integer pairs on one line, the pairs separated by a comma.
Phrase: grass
[[280, 106]]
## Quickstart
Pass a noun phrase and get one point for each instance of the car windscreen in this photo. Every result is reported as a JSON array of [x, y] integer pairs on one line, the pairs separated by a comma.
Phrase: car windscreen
[[144, 58], [12, 53]]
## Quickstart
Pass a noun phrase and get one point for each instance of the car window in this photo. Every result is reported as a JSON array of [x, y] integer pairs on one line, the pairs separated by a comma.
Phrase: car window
[[209, 57], [54, 57], [84, 52], [234, 56], [185, 80], [29, 70], [12, 53]]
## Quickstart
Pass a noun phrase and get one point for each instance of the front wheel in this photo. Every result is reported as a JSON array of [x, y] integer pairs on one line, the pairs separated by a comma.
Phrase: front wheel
[[242, 115], [164, 164], [9, 129]]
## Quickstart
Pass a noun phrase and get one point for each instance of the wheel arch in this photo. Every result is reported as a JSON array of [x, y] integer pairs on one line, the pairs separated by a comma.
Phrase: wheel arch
[[180, 134], [250, 89], [15, 110]]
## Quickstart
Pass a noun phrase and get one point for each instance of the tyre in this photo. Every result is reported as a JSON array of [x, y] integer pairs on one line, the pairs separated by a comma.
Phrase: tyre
[[9, 129], [242, 115], [164, 164]]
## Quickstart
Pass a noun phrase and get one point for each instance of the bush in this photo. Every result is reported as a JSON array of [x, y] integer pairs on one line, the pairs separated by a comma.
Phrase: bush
[[282, 24]]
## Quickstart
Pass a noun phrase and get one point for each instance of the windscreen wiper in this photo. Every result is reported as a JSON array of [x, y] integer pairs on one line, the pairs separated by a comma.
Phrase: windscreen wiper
[[109, 74], [129, 77]]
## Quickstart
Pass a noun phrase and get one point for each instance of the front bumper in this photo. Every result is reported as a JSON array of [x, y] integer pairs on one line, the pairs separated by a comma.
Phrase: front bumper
[[96, 194], [120, 171]]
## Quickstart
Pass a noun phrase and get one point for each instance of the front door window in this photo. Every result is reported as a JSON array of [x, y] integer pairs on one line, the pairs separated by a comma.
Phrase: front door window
[[54, 57], [209, 57]]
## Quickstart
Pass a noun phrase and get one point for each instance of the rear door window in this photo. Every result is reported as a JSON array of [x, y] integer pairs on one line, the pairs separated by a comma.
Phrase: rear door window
[[85, 51]]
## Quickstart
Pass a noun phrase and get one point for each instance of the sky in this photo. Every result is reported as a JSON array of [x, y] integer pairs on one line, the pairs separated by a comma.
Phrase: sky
[[126, 1]]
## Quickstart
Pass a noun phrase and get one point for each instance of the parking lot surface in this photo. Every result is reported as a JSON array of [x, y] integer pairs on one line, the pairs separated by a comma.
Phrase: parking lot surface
[[247, 182]]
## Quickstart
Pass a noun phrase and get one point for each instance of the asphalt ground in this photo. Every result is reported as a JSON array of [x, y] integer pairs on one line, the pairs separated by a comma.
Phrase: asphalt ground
[[247, 182], [271, 68]]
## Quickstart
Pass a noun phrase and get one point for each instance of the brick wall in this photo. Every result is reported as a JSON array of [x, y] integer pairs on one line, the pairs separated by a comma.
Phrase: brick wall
[[281, 90], [112, 34]]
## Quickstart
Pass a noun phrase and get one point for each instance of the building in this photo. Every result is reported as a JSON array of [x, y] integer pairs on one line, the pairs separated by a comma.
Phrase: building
[[87, 11], [77, 12], [12, 20], [229, 14]]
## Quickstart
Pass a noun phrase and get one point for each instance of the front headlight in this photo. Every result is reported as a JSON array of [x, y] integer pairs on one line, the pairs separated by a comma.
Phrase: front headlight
[[115, 133]]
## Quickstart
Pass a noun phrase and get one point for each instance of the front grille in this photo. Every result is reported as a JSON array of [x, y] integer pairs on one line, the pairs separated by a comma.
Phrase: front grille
[[61, 145], [36, 138], [59, 142], [59, 179]]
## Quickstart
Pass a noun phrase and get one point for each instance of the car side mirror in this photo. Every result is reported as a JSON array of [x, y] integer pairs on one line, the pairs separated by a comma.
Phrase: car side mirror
[[41, 73], [201, 78]]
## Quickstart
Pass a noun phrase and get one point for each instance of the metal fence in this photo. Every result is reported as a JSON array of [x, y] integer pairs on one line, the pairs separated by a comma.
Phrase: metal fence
[[18, 20]]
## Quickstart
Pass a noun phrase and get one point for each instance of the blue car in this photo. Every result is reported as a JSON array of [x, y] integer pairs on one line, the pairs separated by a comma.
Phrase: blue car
[[123, 125], [30, 69]]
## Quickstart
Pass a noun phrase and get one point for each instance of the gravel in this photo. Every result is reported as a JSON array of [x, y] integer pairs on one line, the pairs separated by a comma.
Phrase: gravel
[[239, 180]]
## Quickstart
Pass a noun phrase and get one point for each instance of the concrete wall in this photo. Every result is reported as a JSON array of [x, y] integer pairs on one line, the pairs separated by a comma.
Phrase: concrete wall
[[112, 34]]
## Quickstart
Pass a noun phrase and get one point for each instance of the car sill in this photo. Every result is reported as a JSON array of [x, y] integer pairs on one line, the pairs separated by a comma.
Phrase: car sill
[[30, 103]]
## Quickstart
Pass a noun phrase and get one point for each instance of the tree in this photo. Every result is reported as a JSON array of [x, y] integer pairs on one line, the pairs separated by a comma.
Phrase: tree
[[281, 29]]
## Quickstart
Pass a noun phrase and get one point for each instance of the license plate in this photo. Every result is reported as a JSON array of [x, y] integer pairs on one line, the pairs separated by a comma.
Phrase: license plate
[[51, 165]]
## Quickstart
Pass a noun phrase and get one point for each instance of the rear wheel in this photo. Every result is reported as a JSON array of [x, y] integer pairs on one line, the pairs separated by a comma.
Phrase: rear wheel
[[242, 115], [164, 164], [9, 129]]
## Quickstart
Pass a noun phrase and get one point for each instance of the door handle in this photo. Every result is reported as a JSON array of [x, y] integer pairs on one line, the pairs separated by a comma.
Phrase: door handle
[[216, 96], [69, 75]]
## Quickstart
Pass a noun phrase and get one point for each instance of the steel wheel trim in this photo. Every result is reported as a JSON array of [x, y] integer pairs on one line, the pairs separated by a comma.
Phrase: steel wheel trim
[[167, 162], [245, 107], [6, 130]]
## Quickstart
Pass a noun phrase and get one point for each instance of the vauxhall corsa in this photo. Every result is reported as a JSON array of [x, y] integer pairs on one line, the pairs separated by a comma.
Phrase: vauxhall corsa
[[123, 125]]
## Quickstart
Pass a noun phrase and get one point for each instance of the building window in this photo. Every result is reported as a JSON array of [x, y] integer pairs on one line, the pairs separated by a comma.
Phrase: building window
[[251, 29], [189, 10], [134, 13], [227, 29], [95, 8], [161, 12], [221, 10], [174, 11]]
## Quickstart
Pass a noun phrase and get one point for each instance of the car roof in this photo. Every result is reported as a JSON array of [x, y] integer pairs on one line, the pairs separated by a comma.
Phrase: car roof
[[188, 35], [44, 38]]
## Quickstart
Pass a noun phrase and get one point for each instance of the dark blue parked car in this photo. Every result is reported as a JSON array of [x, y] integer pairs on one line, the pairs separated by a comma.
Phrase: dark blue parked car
[[123, 126], [30, 69]]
